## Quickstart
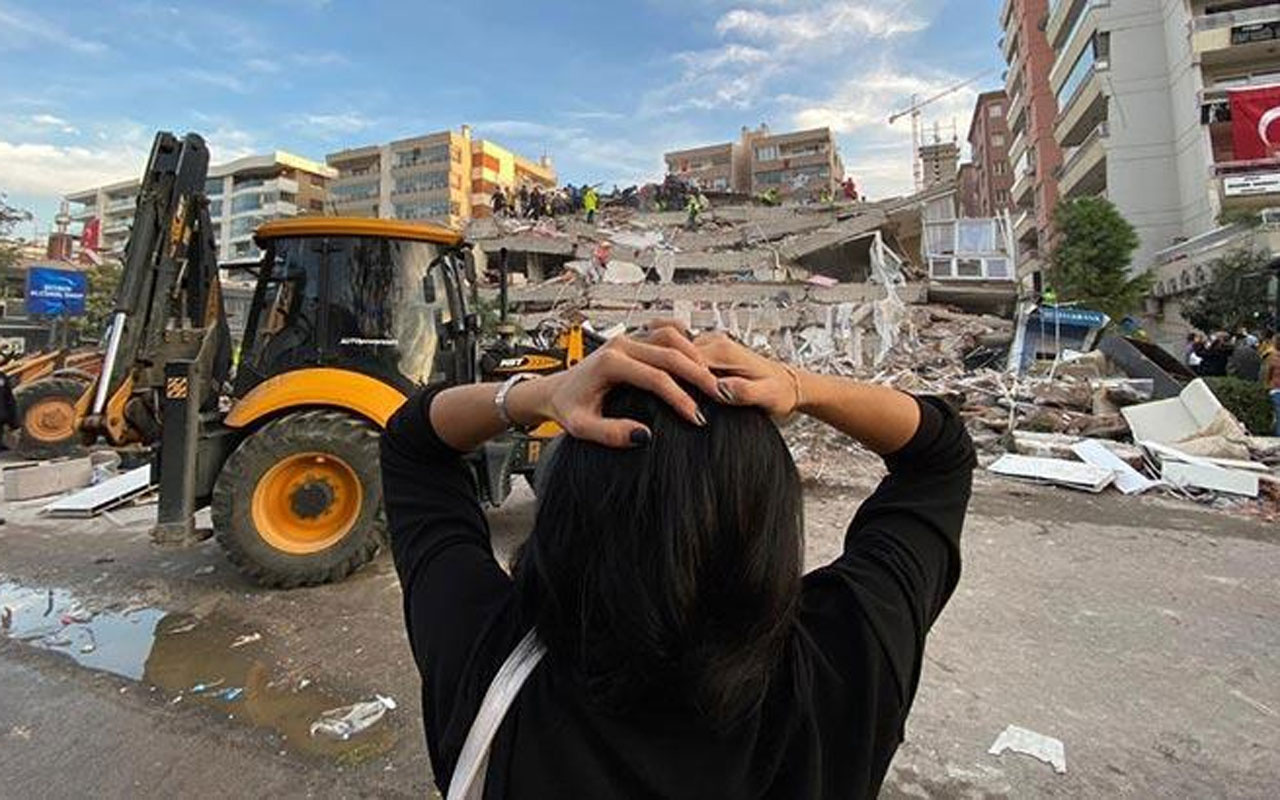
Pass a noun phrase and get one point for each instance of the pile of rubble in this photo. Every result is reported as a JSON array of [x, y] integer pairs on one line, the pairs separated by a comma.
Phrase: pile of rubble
[[835, 288]]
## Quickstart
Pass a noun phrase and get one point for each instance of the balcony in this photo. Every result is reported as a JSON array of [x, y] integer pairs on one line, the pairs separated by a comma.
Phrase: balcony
[[1023, 183], [1024, 228], [1009, 46], [274, 185], [1083, 112], [1017, 111], [1059, 12], [1248, 185], [1084, 169], [1018, 146], [1230, 37]]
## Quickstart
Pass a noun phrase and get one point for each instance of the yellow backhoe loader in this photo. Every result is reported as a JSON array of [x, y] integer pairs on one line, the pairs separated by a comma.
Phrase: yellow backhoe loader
[[349, 316]]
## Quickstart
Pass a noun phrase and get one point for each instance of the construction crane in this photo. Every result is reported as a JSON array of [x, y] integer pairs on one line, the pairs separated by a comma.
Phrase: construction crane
[[917, 168]]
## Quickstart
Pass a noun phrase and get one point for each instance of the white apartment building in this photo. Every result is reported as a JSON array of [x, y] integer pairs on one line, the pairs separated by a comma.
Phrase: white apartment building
[[243, 194], [1141, 87]]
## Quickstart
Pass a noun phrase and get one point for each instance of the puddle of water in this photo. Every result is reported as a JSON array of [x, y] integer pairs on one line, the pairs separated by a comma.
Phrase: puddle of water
[[176, 653]]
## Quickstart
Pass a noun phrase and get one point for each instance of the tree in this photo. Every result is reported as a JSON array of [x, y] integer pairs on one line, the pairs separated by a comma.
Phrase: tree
[[9, 218], [1090, 262], [1236, 295]]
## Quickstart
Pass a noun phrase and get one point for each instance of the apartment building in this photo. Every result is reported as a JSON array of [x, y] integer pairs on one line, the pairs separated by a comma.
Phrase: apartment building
[[989, 146], [242, 194], [797, 165], [1033, 153], [1152, 96], [939, 163], [445, 177]]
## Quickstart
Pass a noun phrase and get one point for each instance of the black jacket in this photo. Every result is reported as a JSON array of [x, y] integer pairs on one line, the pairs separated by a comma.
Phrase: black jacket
[[833, 717]]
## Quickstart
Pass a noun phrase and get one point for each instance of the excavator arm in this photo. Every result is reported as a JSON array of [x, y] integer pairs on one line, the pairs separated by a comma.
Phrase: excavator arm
[[168, 306]]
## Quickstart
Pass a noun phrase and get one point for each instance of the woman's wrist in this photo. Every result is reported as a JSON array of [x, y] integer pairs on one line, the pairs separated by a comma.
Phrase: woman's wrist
[[529, 402]]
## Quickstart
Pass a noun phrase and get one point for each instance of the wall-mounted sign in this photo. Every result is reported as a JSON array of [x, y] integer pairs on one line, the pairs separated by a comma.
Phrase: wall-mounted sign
[[1244, 185]]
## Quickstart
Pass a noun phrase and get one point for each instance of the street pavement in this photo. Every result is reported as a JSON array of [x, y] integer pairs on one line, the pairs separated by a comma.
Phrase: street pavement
[[1140, 632]]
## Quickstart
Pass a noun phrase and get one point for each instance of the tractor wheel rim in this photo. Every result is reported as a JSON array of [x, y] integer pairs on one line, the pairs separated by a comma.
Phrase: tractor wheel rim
[[275, 505], [50, 420]]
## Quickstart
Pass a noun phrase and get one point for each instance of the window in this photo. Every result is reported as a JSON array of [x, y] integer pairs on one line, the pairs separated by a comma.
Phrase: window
[[316, 206], [999, 168], [769, 178], [215, 208], [423, 182], [213, 186], [316, 180], [246, 202], [997, 140], [769, 153], [1002, 198], [354, 191], [995, 110]]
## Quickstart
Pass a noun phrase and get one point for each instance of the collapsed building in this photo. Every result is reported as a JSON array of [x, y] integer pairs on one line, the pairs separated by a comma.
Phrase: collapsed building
[[850, 269]]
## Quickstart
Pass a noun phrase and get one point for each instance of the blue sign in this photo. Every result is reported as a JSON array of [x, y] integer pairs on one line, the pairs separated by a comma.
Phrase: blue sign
[[55, 292]]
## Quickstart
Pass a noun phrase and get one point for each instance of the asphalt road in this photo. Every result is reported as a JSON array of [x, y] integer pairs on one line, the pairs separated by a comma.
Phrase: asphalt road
[[1139, 632]]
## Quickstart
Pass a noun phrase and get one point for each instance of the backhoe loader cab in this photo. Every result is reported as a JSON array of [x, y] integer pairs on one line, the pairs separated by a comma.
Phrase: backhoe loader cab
[[349, 316]]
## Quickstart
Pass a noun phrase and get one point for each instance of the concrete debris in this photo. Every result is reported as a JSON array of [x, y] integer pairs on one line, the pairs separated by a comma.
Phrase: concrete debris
[[1072, 474], [842, 290]]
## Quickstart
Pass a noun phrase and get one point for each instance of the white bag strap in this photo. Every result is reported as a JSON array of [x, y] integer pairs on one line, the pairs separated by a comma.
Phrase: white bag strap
[[467, 782]]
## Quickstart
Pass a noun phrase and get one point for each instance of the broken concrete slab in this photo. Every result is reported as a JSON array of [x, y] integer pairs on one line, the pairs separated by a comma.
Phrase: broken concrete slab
[[28, 481], [1194, 412], [1139, 359], [1127, 479], [1210, 477], [1071, 474]]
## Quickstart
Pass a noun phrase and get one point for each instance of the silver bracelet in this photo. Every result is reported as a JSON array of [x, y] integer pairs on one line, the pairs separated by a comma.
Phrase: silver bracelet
[[500, 399]]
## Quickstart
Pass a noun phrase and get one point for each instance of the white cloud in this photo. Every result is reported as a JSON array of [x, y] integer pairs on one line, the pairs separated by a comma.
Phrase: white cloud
[[220, 80], [320, 59], [47, 170], [328, 125], [51, 121], [263, 65], [823, 23], [22, 30]]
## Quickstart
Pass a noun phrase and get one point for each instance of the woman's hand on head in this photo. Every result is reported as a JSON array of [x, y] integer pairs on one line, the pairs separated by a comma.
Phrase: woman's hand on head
[[575, 398], [747, 378]]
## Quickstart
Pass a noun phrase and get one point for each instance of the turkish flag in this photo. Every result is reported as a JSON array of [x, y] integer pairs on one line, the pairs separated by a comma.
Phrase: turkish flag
[[89, 234], [1255, 122]]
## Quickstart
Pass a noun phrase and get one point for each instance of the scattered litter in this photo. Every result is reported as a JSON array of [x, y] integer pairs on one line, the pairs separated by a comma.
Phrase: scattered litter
[[231, 693], [1020, 740], [344, 722], [207, 569], [248, 638], [201, 688], [186, 627]]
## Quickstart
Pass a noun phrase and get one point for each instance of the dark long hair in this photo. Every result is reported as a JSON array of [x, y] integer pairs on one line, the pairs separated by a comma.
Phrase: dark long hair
[[668, 574]]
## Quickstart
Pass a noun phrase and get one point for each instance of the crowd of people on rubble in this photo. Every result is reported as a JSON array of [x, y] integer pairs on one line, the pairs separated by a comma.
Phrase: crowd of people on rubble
[[673, 194], [1244, 355], [537, 202]]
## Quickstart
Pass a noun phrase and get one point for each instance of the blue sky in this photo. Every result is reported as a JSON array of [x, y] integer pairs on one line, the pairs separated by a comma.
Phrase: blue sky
[[604, 87]]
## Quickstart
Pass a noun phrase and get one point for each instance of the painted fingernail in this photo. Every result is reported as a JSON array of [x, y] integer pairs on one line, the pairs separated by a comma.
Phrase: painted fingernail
[[641, 437], [725, 394], [701, 420]]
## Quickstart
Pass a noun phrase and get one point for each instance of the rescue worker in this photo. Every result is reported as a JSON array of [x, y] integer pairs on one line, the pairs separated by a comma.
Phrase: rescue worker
[[590, 201]]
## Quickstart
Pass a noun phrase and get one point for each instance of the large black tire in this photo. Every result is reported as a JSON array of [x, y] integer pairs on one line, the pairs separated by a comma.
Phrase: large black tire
[[300, 438], [45, 409]]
